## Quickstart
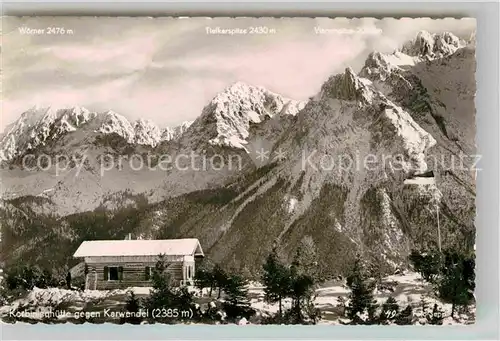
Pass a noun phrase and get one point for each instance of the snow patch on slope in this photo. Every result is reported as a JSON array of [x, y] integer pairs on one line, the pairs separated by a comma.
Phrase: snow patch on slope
[[291, 204], [415, 139], [380, 66]]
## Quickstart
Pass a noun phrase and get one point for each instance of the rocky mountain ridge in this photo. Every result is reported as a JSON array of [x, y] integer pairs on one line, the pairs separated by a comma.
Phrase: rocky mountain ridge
[[37, 126]]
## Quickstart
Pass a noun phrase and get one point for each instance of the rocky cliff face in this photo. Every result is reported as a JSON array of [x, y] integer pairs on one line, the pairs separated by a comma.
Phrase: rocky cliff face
[[342, 169]]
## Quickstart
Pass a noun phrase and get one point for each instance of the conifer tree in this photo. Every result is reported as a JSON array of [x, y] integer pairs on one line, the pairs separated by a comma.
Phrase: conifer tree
[[423, 304], [204, 276], [220, 278], [162, 295], [361, 299], [133, 305], [307, 258], [237, 303], [456, 284], [165, 296], [301, 290], [405, 317], [427, 263], [276, 279]]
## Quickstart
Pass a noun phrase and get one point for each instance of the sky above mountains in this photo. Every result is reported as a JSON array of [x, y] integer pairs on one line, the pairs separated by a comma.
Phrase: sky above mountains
[[167, 69]]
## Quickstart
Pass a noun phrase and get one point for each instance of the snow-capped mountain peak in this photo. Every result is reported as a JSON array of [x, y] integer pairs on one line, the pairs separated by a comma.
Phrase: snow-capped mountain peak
[[348, 86], [431, 46], [69, 120], [146, 132], [142, 132], [39, 124], [227, 118], [425, 47], [112, 122], [36, 126]]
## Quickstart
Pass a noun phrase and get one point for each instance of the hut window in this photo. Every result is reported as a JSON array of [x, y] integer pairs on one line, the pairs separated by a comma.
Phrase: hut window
[[115, 273]]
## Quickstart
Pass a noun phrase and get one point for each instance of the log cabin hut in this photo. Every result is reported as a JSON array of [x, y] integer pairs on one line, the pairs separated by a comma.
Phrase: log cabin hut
[[118, 264]]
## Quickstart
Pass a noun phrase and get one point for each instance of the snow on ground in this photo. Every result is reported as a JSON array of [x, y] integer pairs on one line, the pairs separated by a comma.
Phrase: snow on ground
[[75, 299], [332, 290], [411, 278], [140, 290], [406, 288], [53, 297]]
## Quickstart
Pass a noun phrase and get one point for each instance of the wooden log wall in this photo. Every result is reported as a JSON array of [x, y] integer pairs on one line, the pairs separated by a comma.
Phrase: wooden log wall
[[133, 275]]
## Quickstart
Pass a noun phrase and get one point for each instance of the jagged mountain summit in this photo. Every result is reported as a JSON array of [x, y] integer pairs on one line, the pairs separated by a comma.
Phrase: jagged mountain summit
[[431, 46], [348, 86], [227, 119], [37, 125], [425, 47], [40, 125]]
